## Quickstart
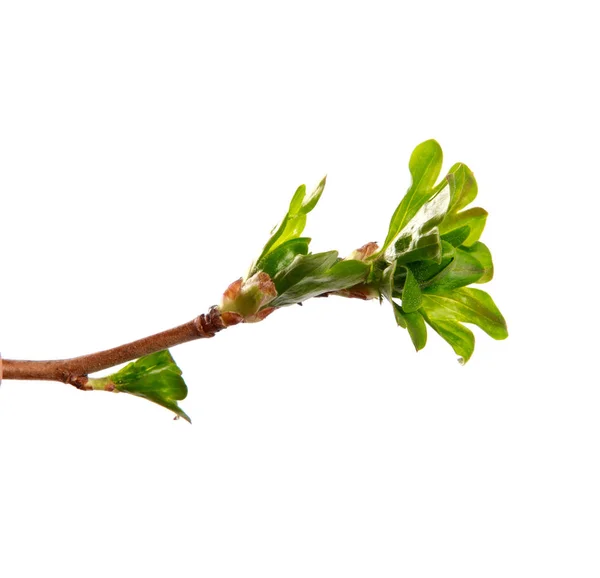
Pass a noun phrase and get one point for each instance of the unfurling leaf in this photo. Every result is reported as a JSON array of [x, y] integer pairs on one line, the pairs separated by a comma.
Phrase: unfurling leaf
[[463, 187], [463, 190], [293, 222], [462, 270], [460, 338], [446, 312], [303, 267], [425, 165], [474, 218], [426, 270], [466, 305], [483, 255], [414, 323], [386, 284], [427, 247], [340, 276], [246, 298], [458, 236], [411, 293], [154, 377], [281, 257]]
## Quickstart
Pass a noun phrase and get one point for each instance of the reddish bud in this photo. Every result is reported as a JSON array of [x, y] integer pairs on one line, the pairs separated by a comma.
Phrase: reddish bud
[[363, 252], [244, 300]]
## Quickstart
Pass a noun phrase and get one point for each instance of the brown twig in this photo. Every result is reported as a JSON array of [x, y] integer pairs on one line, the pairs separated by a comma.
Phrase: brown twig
[[75, 370]]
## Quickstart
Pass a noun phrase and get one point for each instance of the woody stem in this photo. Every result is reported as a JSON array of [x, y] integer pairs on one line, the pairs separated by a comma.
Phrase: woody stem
[[75, 370]]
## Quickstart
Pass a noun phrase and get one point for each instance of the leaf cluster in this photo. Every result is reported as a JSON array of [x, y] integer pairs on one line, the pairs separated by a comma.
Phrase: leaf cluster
[[297, 274], [430, 256], [432, 253]]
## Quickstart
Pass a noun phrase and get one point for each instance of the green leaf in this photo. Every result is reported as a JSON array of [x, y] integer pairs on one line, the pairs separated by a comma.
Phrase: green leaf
[[458, 236], [310, 202], [280, 258], [386, 284], [483, 255], [294, 221], [462, 270], [154, 377], [474, 218], [460, 338], [469, 306], [304, 266], [376, 272], [427, 247], [426, 270], [411, 293], [342, 275], [419, 238], [463, 187], [463, 191], [424, 165], [414, 323]]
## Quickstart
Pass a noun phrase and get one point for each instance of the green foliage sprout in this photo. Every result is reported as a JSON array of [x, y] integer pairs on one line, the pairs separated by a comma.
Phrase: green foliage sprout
[[430, 257], [425, 268], [429, 260]]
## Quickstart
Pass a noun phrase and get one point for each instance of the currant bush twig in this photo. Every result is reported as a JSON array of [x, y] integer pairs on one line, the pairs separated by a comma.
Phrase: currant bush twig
[[430, 257], [74, 371]]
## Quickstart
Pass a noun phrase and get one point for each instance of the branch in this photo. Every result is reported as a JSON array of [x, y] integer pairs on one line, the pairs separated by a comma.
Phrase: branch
[[426, 267], [75, 371]]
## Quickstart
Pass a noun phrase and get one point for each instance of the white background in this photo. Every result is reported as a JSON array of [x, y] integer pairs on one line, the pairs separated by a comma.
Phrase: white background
[[147, 148]]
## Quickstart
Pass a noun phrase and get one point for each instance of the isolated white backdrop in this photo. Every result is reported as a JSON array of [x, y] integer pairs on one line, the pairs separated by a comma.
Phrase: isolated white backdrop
[[147, 148]]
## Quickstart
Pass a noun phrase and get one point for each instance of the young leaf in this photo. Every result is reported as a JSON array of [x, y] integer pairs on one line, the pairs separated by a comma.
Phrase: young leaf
[[425, 248], [457, 237], [463, 187], [414, 323], [343, 275], [460, 338], [426, 270], [386, 284], [463, 270], [463, 190], [304, 266], [293, 222], [483, 255], [424, 165], [466, 305], [420, 239], [474, 218], [411, 293], [154, 377], [280, 258]]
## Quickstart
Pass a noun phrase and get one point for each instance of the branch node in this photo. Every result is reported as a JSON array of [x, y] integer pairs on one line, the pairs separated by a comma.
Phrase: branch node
[[78, 381], [207, 324]]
